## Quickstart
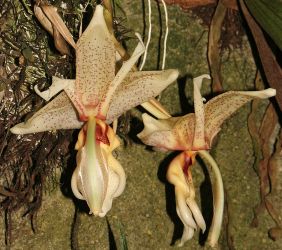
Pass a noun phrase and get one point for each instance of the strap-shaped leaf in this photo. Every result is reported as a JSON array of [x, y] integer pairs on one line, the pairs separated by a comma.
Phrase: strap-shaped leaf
[[269, 15]]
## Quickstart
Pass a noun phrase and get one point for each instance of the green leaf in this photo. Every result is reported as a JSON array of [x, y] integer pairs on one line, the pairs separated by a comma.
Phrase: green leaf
[[269, 15], [123, 241]]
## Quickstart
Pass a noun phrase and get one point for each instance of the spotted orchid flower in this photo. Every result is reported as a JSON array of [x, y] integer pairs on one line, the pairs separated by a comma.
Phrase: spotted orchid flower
[[193, 134], [93, 100]]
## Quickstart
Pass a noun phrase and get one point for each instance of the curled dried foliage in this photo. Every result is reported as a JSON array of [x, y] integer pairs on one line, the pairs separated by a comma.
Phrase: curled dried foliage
[[270, 200], [26, 162], [267, 148], [267, 137], [214, 48]]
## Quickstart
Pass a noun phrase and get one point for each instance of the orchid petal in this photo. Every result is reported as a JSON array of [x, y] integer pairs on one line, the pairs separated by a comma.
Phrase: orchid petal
[[58, 85], [95, 61], [199, 133], [220, 108], [124, 70], [137, 88], [80, 108], [184, 132], [154, 107], [158, 133], [175, 133], [57, 114]]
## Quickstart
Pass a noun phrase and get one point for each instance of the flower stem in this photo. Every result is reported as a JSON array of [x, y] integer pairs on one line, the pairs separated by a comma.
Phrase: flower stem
[[218, 199]]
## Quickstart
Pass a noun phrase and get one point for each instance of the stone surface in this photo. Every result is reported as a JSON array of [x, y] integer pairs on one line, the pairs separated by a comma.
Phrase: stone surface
[[146, 208]]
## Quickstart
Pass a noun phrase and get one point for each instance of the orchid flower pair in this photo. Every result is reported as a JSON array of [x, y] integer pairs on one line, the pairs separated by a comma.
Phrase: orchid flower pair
[[93, 100], [193, 134], [98, 96]]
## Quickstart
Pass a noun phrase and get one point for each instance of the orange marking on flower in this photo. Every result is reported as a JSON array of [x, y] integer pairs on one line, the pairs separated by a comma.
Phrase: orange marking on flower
[[83, 117], [189, 160], [101, 136]]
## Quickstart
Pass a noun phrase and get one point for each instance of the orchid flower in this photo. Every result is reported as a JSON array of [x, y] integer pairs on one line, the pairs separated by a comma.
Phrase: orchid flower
[[93, 100], [192, 134]]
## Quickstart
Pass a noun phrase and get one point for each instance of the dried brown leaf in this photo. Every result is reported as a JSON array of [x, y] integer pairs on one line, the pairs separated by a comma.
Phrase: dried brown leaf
[[60, 43], [213, 46], [266, 130], [230, 4], [271, 67], [52, 22]]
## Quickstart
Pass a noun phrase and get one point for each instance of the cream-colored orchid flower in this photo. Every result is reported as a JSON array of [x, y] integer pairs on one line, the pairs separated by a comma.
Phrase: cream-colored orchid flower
[[192, 134], [93, 100]]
